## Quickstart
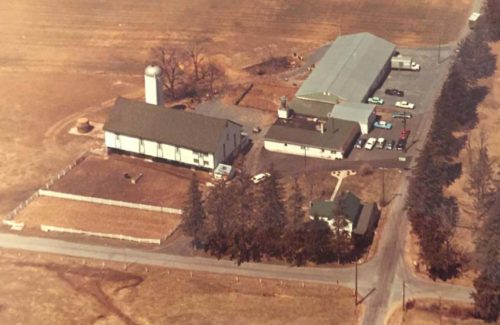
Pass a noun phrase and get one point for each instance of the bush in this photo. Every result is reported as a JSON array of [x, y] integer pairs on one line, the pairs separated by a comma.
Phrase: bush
[[365, 169]]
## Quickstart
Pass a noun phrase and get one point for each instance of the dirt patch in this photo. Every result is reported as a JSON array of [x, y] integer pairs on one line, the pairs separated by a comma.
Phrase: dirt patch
[[162, 184], [369, 187], [98, 218], [115, 293], [429, 311]]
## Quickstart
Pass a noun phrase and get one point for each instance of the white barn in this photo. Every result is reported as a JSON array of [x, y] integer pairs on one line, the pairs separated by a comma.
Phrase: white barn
[[170, 134]]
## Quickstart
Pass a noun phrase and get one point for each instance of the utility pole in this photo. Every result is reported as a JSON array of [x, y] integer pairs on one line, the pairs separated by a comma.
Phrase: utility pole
[[404, 293], [356, 284], [382, 201]]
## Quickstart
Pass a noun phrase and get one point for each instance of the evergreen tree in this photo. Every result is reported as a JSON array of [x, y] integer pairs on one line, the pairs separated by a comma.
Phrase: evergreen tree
[[193, 212], [216, 235], [242, 246], [341, 239], [318, 238], [295, 236], [480, 173], [270, 215], [487, 284]]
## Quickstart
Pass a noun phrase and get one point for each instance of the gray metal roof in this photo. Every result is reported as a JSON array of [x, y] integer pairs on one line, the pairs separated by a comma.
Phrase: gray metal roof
[[337, 134], [359, 112], [310, 108], [165, 125], [348, 69]]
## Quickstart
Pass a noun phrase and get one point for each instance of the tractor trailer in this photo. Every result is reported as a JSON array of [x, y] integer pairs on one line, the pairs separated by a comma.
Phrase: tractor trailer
[[404, 63]]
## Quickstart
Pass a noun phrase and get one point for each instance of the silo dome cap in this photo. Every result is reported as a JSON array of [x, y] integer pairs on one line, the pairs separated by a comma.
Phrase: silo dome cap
[[152, 70]]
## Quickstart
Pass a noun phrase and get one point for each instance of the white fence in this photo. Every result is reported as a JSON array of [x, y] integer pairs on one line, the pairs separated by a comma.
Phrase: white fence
[[99, 234], [96, 200]]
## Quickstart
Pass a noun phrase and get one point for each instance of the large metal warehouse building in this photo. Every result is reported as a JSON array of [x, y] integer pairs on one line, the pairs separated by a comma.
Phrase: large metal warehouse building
[[350, 70]]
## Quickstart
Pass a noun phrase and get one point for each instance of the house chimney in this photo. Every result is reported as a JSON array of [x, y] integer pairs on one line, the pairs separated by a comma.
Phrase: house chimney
[[283, 111], [283, 100]]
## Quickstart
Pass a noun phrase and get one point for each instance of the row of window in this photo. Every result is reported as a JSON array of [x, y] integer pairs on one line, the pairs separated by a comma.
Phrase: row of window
[[322, 150]]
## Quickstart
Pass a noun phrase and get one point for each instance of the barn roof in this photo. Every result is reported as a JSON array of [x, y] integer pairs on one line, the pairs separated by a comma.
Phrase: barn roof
[[165, 125], [348, 69]]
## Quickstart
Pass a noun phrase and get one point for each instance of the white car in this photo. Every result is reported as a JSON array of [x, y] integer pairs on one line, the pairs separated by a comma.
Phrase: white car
[[405, 104], [370, 143], [380, 143], [375, 100], [260, 177]]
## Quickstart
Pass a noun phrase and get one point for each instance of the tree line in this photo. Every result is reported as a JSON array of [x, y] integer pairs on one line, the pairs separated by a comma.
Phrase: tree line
[[188, 71], [248, 222], [433, 214]]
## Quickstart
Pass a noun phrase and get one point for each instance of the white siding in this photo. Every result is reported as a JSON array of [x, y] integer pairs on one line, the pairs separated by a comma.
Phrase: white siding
[[159, 150], [229, 142], [347, 228], [306, 151]]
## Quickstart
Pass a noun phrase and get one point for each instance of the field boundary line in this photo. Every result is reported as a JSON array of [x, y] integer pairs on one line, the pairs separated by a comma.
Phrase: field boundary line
[[47, 228], [123, 204]]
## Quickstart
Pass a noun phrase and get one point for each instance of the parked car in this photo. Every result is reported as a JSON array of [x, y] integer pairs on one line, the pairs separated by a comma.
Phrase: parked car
[[375, 100], [404, 133], [360, 143], [256, 129], [383, 125], [370, 143], [401, 145], [394, 92], [401, 115], [380, 143], [405, 104], [390, 145], [260, 177]]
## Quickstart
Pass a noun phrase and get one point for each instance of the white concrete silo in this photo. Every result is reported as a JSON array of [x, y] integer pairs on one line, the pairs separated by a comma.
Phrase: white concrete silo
[[153, 85]]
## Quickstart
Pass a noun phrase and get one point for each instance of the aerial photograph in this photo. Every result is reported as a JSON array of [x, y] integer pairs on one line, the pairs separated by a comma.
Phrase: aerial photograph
[[250, 162]]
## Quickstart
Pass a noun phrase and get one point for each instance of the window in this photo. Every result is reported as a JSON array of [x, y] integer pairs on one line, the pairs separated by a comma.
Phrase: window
[[322, 150], [285, 144], [234, 139], [196, 160], [205, 163], [227, 136], [302, 147]]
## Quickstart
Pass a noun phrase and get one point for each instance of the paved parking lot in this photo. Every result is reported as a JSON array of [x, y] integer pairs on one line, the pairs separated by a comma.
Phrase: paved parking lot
[[420, 88]]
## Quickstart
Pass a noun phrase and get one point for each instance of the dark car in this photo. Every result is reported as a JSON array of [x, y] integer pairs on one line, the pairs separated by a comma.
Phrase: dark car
[[360, 143], [394, 92], [390, 145], [401, 145], [401, 115]]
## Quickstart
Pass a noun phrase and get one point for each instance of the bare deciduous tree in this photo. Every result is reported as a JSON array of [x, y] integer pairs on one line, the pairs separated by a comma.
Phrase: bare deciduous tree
[[196, 52], [170, 62], [214, 73]]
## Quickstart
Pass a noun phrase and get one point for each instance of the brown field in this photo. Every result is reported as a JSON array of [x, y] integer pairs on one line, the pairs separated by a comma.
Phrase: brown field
[[162, 184], [98, 218], [428, 312], [61, 60], [48, 289]]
